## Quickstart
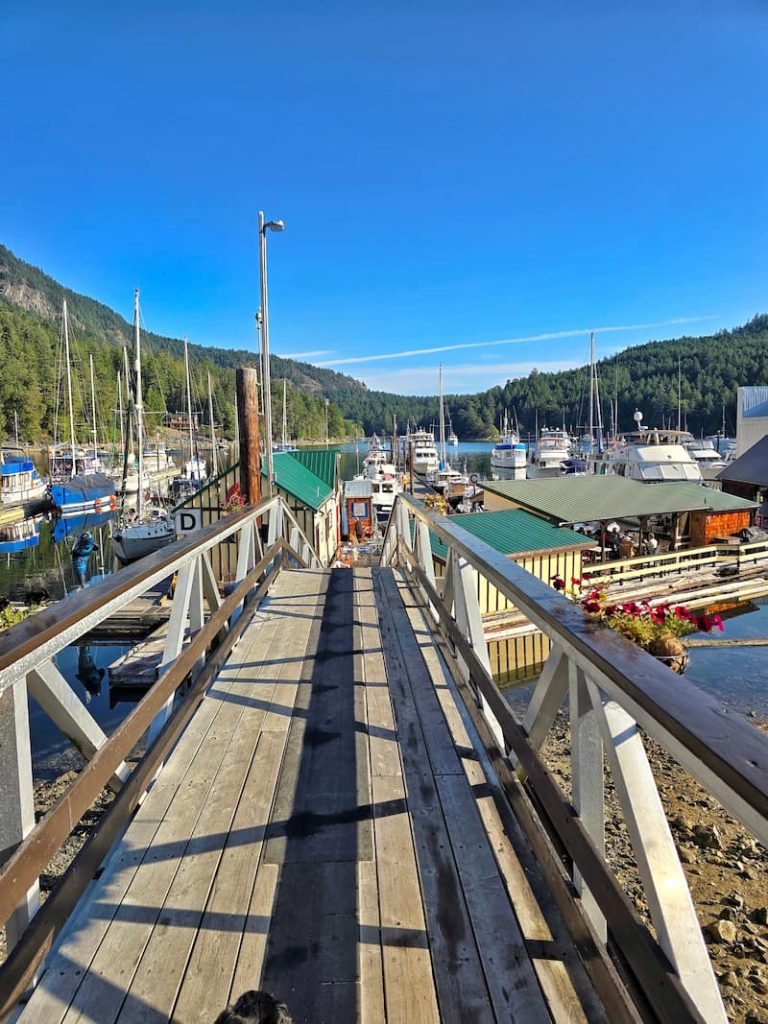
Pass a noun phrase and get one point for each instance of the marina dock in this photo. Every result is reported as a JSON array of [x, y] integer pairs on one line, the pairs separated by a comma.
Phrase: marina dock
[[335, 802]]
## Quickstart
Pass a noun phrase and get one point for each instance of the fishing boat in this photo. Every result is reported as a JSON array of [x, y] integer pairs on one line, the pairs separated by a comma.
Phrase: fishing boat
[[149, 527], [509, 452], [77, 484], [20, 485], [385, 487]]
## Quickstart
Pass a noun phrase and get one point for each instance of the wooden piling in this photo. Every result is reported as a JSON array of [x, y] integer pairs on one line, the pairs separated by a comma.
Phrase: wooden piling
[[247, 387]]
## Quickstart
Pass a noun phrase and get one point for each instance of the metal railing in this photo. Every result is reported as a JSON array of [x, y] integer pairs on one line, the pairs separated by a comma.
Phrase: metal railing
[[202, 629], [614, 691]]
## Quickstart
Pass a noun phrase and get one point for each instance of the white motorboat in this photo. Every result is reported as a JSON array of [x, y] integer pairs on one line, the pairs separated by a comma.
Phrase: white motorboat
[[19, 483], [704, 453], [552, 448], [385, 487], [509, 452], [653, 455], [376, 457], [422, 444]]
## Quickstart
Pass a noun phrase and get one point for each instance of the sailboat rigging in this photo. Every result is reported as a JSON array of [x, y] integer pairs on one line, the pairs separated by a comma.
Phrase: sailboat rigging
[[151, 528]]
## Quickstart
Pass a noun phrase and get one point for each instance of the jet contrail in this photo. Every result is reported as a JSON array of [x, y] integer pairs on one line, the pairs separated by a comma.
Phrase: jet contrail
[[305, 355], [550, 336]]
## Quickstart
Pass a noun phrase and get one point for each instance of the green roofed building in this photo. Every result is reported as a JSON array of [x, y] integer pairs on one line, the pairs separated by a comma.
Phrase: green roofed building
[[310, 487], [685, 510], [516, 648]]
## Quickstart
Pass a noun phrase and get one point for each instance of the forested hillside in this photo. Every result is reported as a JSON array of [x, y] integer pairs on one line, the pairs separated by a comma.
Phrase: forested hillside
[[32, 376], [643, 377]]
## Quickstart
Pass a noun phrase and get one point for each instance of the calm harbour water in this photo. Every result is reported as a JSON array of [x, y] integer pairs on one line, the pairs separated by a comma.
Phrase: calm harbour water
[[736, 676]]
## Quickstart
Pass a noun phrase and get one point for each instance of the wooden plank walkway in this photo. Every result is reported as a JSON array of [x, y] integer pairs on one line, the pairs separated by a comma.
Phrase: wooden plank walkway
[[324, 829]]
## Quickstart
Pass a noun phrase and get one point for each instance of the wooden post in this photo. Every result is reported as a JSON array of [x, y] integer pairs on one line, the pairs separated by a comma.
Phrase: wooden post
[[410, 463], [247, 388]]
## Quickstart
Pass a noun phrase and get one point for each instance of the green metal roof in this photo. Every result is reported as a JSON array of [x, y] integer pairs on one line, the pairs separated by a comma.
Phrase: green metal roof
[[322, 462], [583, 499], [512, 532], [294, 478]]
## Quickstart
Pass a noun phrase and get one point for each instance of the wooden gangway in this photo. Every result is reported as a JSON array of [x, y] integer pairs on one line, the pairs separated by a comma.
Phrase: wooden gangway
[[324, 829], [332, 800]]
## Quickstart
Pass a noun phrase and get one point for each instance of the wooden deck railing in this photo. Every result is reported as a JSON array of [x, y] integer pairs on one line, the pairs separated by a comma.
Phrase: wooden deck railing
[[203, 628], [712, 556], [614, 691]]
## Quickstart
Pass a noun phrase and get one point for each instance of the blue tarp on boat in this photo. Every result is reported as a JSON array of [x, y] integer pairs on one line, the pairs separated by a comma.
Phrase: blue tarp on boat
[[81, 492]]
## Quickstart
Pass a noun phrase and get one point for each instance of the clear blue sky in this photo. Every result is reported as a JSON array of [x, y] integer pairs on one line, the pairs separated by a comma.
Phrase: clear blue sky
[[449, 173]]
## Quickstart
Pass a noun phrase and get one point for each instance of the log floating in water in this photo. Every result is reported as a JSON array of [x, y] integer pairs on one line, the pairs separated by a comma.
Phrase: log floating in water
[[711, 641]]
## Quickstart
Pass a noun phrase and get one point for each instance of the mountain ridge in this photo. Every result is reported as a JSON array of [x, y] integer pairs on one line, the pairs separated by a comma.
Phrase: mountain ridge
[[643, 376]]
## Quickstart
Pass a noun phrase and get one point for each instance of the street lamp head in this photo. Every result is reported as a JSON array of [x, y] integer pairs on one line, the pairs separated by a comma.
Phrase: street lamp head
[[275, 225]]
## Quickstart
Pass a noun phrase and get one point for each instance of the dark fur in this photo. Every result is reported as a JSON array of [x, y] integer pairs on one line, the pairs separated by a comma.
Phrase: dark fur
[[255, 1008]]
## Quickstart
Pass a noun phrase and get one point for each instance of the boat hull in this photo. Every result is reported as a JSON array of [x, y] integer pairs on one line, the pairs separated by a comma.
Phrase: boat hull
[[134, 542]]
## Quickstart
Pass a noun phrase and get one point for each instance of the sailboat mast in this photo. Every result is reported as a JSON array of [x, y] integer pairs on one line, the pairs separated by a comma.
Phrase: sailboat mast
[[679, 393], [214, 454], [93, 409], [591, 389], [69, 391], [120, 411], [442, 417], [189, 410], [139, 404], [285, 415]]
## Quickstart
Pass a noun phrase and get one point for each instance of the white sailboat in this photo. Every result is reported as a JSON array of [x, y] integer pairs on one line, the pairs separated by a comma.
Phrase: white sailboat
[[443, 477], [195, 471], [285, 445], [76, 484], [150, 528]]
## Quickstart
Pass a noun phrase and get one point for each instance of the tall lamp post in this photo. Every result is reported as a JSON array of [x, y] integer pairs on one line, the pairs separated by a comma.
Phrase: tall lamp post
[[270, 225]]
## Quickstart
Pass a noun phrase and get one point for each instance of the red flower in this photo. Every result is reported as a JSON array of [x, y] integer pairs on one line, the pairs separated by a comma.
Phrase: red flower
[[682, 613], [557, 583], [717, 622], [593, 607], [658, 615], [575, 581]]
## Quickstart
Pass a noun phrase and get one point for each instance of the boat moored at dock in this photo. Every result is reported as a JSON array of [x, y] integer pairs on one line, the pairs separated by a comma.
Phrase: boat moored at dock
[[20, 485]]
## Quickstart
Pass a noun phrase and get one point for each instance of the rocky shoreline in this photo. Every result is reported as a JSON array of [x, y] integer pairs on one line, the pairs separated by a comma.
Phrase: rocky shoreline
[[724, 865]]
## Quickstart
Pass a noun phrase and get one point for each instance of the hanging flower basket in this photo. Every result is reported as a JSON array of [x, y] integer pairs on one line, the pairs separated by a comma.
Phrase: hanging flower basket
[[655, 628]]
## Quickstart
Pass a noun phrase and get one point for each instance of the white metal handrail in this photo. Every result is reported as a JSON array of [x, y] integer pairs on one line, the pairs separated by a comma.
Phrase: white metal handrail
[[614, 690], [28, 649]]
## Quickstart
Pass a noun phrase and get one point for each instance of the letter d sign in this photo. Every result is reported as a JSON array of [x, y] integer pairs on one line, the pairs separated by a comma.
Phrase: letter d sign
[[187, 520]]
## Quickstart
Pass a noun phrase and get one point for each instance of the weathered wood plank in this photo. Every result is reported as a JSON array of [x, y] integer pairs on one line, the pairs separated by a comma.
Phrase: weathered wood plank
[[312, 943], [83, 970], [461, 989], [207, 983], [408, 981], [550, 946]]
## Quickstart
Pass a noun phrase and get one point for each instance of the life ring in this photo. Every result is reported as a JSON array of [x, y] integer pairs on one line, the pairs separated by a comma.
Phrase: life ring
[[473, 478]]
